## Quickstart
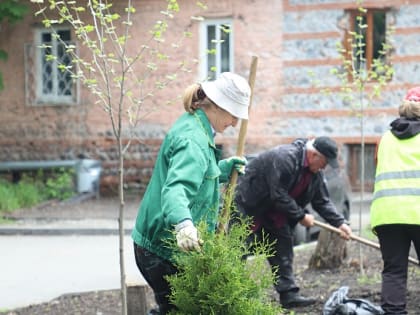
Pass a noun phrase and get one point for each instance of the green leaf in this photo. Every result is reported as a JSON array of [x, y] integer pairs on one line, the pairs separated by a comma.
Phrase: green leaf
[[1, 82], [79, 9], [130, 10], [3, 55], [12, 10]]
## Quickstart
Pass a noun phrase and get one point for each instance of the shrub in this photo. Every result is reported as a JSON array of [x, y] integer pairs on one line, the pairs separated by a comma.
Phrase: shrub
[[59, 185], [8, 201], [32, 190], [218, 280], [27, 194]]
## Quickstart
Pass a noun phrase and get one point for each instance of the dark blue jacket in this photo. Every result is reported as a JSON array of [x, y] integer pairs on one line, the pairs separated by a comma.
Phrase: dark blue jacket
[[272, 175]]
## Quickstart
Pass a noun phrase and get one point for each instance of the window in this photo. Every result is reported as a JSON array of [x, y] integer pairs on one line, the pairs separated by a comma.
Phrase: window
[[355, 166], [216, 48], [46, 83], [367, 45]]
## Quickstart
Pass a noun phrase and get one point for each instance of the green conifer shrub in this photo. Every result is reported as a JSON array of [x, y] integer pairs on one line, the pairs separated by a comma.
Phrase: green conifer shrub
[[218, 280]]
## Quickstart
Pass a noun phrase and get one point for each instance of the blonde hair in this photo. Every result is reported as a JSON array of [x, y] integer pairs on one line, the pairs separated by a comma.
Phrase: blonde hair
[[409, 109], [194, 97]]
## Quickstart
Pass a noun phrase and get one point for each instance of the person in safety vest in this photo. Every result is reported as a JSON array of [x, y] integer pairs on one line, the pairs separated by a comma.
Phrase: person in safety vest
[[395, 209], [277, 186], [184, 187]]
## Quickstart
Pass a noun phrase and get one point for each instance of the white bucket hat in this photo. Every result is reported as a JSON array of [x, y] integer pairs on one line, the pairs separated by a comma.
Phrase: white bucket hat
[[230, 92]]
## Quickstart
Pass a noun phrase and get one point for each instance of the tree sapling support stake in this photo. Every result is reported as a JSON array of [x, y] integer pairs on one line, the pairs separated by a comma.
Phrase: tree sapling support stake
[[227, 204]]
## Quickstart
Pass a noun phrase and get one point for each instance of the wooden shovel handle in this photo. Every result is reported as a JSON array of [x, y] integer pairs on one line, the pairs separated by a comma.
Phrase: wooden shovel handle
[[240, 149], [357, 238], [224, 216]]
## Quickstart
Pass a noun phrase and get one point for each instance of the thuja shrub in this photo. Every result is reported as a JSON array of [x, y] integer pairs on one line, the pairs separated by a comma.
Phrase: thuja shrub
[[220, 280]]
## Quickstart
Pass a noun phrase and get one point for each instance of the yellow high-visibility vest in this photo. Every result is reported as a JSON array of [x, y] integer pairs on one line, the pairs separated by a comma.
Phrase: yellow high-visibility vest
[[396, 198]]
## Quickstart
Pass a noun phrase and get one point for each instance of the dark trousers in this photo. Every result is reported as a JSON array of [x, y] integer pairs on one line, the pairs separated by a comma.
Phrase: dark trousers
[[154, 269], [282, 261], [395, 241]]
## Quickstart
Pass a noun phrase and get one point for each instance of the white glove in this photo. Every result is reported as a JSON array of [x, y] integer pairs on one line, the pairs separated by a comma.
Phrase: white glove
[[187, 236]]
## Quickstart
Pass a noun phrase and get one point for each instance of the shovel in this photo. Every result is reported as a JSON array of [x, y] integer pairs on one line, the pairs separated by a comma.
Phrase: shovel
[[357, 238], [222, 228]]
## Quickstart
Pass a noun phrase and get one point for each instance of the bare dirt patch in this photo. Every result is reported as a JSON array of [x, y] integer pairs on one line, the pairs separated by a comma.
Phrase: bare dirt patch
[[317, 283]]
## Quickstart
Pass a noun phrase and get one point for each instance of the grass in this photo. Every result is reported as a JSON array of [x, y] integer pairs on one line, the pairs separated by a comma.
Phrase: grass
[[33, 189], [366, 280], [5, 221]]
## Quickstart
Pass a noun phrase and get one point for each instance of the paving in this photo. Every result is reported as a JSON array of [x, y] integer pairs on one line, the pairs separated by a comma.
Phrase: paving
[[78, 216], [66, 247], [59, 248]]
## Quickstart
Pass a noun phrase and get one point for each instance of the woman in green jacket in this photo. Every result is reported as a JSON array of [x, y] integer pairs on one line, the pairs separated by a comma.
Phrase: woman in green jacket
[[184, 187]]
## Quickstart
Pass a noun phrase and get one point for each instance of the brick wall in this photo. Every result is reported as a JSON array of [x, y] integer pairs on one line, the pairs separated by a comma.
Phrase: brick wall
[[311, 30], [295, 44], [66, 132]]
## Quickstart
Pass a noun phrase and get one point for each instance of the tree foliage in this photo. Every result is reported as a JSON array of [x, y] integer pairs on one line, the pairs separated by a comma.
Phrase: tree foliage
[[11, 11], [360, 85], [363, 85], [121, 78]]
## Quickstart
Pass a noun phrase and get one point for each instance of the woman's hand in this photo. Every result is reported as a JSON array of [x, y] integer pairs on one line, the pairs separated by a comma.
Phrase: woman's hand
[[237, 162], [187, 236]]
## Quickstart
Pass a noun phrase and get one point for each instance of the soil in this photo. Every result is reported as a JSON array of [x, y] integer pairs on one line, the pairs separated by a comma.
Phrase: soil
[[316, 283]]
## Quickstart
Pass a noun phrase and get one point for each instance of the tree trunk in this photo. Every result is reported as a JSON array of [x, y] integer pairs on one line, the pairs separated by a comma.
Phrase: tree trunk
[[330, 251]]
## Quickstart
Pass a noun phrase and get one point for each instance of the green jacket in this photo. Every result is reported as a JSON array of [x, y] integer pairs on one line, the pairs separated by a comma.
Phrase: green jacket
[[184, 185]]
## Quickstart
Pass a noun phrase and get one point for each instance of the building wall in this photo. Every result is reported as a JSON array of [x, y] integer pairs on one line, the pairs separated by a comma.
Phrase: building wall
[[48, 132], [311, 31], [295, 41], [310, 53]]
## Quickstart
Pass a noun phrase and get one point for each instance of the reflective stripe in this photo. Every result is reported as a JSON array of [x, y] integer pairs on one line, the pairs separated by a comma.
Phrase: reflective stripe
[[397, 192], [397, 175]]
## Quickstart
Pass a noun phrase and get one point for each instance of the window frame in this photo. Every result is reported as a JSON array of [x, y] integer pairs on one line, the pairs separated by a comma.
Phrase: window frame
[[52, 99], [369, 42], [354, 166], [204, 65]]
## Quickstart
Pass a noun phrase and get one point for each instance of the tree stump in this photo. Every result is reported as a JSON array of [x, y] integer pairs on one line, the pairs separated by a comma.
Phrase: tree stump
[[140, 298], [330, 251]]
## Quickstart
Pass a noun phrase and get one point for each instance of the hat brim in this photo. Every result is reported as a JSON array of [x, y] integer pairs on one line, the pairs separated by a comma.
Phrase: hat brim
[[236, 109], [333, 163]]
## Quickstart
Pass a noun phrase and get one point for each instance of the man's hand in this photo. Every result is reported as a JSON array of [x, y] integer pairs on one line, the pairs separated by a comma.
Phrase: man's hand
[[308, 220], [345, 231], [187, 236]]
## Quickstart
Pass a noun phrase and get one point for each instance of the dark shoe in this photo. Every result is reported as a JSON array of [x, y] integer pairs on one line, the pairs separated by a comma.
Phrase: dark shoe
[[294, 299], [153, 312]]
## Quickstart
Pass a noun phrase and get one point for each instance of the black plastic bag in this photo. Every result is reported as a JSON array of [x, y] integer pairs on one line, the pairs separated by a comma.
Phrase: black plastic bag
[[339, 304]]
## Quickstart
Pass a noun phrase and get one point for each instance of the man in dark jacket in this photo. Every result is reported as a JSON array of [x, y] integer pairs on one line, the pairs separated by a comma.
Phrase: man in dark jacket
[[277, 186]]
